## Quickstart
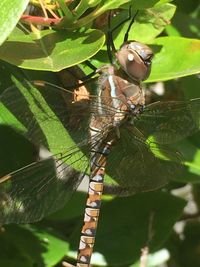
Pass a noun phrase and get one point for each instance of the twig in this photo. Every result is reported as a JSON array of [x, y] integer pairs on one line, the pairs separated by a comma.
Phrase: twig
[[40, 20]]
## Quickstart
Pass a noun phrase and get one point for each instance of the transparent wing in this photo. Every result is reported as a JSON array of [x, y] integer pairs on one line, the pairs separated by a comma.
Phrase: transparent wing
[[171, 121], [136, 164], [48, 115], [34, 191]]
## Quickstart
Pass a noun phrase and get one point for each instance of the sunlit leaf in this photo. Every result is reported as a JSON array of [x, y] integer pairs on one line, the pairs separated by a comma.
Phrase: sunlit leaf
[[51, 50], [10, 12], [175, 57]]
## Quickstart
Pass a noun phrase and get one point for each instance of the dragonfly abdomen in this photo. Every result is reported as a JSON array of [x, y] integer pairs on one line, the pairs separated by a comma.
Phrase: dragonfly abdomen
[[93, 205]]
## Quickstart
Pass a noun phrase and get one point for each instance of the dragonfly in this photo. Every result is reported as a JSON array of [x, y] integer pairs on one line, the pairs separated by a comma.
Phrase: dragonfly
[[112, 133]]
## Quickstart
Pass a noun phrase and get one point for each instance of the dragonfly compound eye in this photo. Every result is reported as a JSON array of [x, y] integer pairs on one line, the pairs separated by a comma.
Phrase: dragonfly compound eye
[[135, 59]]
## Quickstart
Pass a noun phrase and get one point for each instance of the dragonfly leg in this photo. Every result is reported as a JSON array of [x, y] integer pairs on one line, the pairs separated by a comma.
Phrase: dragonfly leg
[[110, 43], [90, 65], [130, 25]]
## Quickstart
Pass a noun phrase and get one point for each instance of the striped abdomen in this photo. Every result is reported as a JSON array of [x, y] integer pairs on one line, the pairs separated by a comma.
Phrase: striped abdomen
[[98, 162]]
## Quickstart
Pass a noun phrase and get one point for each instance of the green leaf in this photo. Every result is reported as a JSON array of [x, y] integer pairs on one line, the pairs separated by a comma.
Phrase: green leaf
[[128, 224], [16, 262], [148, 24], [50, 130], [10, 12], [51, 50], [142, 4], [187, 6], [191, 153], [54, 133], [190, 28], [41, 246], [106, 5], [56, 246], [72, 209], [136, 4], [9, 140], [190, 86], [111, 4], [11, 253], [66, 10], [190, 245], [175, 57]]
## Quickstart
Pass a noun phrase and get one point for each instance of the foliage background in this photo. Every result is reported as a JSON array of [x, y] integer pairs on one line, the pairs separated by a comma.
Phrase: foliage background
[[126, 224]]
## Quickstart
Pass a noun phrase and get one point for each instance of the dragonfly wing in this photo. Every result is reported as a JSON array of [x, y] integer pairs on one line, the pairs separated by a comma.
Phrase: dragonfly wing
[[49, 117], [34, 191], [170, 121], [137, 165], [45, 114]]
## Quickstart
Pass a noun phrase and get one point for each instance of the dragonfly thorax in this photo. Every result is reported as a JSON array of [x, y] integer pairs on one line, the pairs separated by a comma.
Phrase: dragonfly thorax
[[135, 59], [120, 94]]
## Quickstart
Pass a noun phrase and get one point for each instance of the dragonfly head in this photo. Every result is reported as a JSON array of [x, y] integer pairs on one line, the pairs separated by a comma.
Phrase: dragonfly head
[[135, 59]]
